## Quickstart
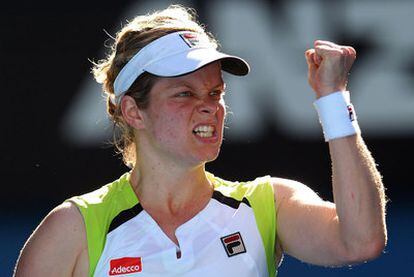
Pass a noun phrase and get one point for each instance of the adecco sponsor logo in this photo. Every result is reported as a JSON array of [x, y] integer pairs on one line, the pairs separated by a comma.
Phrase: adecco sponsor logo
[[125, 265]]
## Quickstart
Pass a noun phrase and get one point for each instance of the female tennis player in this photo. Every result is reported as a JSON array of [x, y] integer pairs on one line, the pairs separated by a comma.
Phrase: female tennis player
[[167, 216]]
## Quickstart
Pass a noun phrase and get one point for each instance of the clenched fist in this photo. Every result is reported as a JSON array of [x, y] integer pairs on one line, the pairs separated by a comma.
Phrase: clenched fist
[[328, 66]]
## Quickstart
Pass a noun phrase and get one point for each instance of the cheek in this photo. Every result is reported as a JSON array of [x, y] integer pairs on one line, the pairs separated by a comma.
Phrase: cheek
[[168, 127], [222, 112]]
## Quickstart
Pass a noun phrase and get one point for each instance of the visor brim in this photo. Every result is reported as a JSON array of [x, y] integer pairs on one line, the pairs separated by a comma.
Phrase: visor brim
[[187, 62]]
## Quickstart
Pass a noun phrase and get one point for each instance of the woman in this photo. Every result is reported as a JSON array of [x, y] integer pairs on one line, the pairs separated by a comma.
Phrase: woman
[[168, 216]]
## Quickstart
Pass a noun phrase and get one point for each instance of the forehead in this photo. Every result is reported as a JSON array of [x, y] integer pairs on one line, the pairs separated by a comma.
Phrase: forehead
[[207, 77]]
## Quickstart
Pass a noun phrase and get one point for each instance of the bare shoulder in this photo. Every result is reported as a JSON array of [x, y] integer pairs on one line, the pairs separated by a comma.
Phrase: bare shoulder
[[295, 200], [291, 190], [57, 244]]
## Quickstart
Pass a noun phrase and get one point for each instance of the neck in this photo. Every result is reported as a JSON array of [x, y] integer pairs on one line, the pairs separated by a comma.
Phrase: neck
[[175, 187]]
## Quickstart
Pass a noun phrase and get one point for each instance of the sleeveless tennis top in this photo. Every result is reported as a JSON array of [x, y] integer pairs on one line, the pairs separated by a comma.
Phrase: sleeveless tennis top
[[234, 235]]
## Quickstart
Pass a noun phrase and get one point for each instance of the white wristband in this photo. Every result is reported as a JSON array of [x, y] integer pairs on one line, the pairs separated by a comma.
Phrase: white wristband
[[337, 115]]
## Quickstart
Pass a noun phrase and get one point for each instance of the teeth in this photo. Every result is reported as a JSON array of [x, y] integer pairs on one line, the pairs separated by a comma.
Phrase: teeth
[[205, 135], [204, 131], [204, 128]]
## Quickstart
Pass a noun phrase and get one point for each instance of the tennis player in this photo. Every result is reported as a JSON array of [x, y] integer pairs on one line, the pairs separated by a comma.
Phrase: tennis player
[[167, 216]]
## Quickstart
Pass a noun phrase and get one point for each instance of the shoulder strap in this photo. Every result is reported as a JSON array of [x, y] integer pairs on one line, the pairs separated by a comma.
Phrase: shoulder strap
[[260, 195], [98, 209]]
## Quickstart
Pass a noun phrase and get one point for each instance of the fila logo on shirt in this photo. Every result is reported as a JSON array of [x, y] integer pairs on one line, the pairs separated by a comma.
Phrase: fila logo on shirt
[[126, 265], [233, 244]]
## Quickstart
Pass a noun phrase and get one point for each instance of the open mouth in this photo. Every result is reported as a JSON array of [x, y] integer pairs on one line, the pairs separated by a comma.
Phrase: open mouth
[[204, 131]]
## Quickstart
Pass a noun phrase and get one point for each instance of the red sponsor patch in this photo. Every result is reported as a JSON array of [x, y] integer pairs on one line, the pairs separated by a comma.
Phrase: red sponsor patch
[[126, 265]]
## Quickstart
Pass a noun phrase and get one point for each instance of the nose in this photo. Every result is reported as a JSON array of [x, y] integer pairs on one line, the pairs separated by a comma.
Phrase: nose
[[208, 106]]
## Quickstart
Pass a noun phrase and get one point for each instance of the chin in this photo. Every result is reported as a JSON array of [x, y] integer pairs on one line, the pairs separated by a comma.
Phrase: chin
[[212, 156], [207, 157]]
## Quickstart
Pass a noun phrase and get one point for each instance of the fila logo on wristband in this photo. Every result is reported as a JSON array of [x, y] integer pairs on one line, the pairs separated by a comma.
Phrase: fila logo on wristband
[[351, 112], [126, 265], [337, 115], [233, 244]]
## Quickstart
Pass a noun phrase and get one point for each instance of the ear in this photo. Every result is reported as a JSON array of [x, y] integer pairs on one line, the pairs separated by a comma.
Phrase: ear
[[131, 113]]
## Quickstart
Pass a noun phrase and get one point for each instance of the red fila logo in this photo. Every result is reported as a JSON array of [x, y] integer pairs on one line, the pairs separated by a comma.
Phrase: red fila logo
[[125, 265], [233, 244]]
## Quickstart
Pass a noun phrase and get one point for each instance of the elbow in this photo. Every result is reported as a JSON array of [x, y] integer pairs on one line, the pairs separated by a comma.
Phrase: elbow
[[372, 250], [366, 251]]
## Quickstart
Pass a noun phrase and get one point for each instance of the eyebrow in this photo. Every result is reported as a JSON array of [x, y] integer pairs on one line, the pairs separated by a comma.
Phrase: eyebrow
[[222, 85]]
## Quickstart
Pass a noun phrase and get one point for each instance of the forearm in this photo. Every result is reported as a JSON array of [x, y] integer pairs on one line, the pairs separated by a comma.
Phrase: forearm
[[358, 195], [358, 231]]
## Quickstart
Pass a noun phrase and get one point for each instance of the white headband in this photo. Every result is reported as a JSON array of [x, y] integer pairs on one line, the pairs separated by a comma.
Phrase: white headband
[[173, 55]]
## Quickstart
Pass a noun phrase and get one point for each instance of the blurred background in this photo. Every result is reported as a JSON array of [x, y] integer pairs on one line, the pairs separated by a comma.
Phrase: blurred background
[[54, 141]]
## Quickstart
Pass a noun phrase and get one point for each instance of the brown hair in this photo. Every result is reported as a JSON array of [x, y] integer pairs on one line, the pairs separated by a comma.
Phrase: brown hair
[[129, 40]]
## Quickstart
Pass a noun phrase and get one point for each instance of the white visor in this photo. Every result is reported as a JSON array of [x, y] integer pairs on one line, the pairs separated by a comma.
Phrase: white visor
[[173, 55]]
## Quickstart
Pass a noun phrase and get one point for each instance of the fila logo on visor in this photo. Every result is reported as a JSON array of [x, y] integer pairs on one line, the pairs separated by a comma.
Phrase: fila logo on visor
[[194, 40], [233, 244], [123, 266]]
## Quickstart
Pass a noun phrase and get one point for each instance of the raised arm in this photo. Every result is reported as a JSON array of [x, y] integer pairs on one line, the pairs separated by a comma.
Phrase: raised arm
[[352, 229], [57, 247]]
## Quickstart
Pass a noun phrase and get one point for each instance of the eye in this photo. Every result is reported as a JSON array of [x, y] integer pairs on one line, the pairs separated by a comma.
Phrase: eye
[[184, 94], [217, 93]]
